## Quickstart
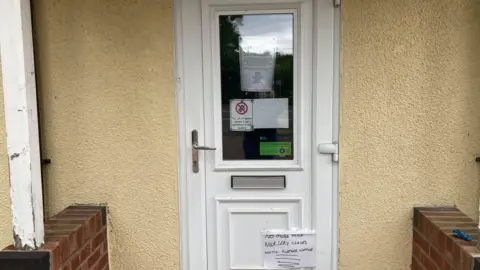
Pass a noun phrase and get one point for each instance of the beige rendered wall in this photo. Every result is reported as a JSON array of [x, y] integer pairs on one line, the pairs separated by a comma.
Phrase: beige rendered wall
[[6, 235], [108, 120], [410, 121], [409, 124]]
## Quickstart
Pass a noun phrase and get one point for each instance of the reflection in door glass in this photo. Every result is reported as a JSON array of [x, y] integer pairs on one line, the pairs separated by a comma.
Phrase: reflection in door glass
[[257, 84]]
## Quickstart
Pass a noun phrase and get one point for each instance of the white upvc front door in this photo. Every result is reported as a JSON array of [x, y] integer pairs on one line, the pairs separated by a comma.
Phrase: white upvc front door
[[256, 99]]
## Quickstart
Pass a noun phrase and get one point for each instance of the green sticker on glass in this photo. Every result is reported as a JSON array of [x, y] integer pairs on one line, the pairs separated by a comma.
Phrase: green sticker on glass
[[280, 149]]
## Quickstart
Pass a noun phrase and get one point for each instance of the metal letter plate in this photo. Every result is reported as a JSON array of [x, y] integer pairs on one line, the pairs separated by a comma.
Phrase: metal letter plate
[[259, 182]]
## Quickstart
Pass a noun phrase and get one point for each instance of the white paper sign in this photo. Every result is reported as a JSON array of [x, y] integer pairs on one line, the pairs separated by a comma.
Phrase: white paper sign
[[241, 115], [257, 63], [289, 249], [270, 113]]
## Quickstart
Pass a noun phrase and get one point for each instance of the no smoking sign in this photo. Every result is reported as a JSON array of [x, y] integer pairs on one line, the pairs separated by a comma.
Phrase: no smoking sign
[[241, 116], [241, 108]]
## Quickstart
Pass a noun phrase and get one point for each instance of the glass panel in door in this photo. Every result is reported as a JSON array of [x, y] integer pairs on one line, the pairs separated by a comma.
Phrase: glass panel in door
[[257, 86]]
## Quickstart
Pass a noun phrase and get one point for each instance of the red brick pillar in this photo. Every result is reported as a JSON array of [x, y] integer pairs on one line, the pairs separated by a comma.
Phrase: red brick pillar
[[435, 245], [75, 239]]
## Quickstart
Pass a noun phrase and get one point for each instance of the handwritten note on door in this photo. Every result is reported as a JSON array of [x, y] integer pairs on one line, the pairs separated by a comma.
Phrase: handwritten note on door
[[289, 249]]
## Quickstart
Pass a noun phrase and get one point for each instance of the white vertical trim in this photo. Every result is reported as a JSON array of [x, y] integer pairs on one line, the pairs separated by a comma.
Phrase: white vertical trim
[[191, 206], [181, 129], [325, 185], [20, 98], [337, 41]]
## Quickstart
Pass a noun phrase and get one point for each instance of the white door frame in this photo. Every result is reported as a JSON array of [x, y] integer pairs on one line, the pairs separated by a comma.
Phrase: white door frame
[[184, 144]]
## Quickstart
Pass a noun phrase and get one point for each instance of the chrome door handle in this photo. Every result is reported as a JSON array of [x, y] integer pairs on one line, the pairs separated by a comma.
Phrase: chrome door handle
[[195, 148]]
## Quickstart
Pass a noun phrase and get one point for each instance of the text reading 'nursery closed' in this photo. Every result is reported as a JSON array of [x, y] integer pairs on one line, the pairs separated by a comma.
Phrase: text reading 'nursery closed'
[[288, 250]]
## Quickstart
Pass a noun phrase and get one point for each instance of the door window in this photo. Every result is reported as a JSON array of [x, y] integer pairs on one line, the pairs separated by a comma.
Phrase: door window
[[257, 86]]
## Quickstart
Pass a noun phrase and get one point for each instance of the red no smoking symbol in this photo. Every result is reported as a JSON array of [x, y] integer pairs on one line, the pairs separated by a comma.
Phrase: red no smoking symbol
[[241, 108]]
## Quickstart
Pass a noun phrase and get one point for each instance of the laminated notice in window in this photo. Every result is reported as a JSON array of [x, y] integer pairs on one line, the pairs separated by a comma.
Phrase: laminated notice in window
[[241, 115], [289, 249], [257, 62], [270, 113]]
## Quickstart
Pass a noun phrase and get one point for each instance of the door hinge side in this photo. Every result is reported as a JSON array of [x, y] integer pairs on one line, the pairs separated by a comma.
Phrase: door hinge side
[[337, 3], [329, 148]]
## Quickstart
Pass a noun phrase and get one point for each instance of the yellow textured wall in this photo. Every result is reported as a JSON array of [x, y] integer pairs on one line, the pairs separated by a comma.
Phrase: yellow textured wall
[[6, 236], [410, 121], [108, 119]]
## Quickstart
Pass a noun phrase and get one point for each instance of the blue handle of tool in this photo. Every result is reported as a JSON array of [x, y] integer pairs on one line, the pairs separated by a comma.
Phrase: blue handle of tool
[[462, 235]]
